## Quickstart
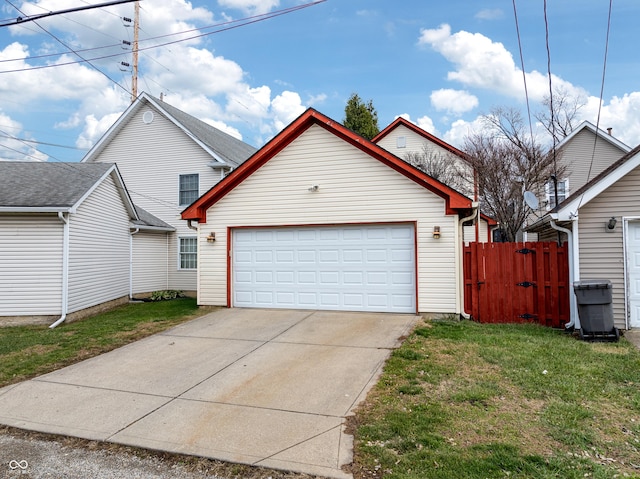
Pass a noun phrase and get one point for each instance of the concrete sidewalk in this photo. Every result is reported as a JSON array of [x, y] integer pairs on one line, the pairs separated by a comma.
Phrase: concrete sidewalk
[[269, 388]]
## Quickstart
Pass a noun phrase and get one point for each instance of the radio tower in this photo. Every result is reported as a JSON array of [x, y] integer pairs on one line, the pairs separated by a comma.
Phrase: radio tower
[[134, 70]]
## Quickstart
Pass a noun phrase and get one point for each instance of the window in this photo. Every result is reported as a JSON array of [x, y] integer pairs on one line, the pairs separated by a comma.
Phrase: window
[[188, 253], [401, 142], [563, 192], [189, 189]]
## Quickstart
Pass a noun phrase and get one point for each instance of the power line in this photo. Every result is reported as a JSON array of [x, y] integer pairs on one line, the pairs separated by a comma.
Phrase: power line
[[32, 18], [71, 50], [524, 75], [237, 24]]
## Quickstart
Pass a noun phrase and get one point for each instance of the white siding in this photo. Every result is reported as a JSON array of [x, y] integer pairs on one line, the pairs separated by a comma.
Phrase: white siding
[[151, 158], [30, 265], [353, 189], [150, 262], [602, 254], [98, 249]]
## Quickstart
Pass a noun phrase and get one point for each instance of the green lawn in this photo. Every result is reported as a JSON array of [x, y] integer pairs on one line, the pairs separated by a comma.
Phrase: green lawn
[[468, 400], [27, 351]]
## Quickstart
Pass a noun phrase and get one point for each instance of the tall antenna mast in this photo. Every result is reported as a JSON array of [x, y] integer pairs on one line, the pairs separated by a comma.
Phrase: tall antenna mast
[[134, 71]]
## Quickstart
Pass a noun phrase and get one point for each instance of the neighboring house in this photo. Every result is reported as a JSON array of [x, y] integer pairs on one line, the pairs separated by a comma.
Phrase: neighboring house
[[65, 242], [405, 139], [167, 159], [582, 155], [602, 223], [321, 218]]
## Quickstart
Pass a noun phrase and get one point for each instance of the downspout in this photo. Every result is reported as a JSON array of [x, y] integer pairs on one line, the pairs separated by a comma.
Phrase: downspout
[[574, 275], [191, 225], [65, 270], [461, 278], [131, 262]]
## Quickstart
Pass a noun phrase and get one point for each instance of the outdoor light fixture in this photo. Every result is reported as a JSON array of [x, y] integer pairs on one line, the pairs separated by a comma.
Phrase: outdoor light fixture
[[436, 232], [611, 224], [211, 238]]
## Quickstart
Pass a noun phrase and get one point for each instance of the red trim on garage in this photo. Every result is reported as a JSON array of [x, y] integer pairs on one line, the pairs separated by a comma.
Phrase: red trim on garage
[[230, 230], [455, 202]]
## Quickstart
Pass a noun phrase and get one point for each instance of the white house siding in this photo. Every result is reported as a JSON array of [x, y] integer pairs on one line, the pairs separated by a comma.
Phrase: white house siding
[[353, 189], [601, 253], [30, 265], [98, 249], [576, 156], [149, 274], [151, 157], [185, 278]]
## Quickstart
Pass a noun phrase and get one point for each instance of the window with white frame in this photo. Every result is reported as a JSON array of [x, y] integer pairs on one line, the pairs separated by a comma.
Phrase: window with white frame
[[563, 192], [188, 253], [189, 189]]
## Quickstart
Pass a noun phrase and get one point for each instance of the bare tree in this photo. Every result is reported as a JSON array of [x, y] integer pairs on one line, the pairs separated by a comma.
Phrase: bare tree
[[508, 162], [443, 167], [566, 106]]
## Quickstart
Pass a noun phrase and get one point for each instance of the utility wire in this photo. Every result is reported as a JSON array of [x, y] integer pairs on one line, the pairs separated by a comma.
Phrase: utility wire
[[72, 50], [32, 18], [604, 71], [248, 21], [524, 75]]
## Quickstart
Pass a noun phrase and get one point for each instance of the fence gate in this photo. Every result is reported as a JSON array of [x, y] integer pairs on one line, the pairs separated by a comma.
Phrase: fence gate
[[517, 282]]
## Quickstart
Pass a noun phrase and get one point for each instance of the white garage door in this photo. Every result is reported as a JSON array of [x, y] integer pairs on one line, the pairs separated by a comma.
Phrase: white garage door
[[633, 272], [352, 268]]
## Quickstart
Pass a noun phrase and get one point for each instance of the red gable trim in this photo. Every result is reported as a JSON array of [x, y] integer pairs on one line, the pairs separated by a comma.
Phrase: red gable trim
[[416, 129], [198, 210]]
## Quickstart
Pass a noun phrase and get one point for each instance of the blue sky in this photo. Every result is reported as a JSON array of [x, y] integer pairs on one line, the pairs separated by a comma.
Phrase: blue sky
[[440, 64]]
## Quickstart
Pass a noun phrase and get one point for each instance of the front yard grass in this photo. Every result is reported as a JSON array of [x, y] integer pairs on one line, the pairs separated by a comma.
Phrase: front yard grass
[[28, 351], [468, 400]]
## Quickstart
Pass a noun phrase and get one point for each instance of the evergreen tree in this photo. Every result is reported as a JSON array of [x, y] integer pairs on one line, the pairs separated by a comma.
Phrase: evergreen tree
[[361, 117]]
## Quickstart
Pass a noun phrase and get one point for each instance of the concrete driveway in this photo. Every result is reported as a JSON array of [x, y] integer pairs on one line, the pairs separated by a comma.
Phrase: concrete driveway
[[269, 388]]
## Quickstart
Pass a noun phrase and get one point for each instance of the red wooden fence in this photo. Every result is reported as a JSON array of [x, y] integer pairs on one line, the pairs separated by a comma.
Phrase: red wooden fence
[[517, 282]]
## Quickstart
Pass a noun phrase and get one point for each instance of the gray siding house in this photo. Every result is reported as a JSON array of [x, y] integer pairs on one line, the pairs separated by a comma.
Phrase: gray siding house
[[65, 239]]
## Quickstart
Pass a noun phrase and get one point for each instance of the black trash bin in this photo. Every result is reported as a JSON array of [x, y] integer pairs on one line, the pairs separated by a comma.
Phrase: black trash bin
[[595, 309]]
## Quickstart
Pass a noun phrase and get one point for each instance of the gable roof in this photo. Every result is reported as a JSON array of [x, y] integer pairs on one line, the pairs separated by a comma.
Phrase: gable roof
[[224, 148], [455, 201], [569, 208], [586, 125], [51, 187], [425, 134]]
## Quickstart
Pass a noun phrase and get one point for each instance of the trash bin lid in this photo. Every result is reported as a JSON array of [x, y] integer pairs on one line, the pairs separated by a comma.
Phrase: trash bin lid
[[592, 284]]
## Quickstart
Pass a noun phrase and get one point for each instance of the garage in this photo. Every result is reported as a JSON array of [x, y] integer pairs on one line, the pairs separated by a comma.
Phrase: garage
[[348, 268], [633, 272]]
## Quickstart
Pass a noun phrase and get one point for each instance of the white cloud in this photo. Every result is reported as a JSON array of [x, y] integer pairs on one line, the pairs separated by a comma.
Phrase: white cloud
[[14, 142], [481, 63], [453, 101], [423, 122], [317, 99], [489, 14], [461, 129], [622, 114], [286, 107], [251, 7], [222, 126]]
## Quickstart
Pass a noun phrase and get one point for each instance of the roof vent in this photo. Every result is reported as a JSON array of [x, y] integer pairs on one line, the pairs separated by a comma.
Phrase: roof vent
[[147, 117], [609, 130]]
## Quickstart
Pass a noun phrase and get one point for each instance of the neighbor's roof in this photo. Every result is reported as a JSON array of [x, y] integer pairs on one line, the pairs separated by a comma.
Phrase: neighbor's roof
[[50, 186], [146, 221], [586, 125], [425, 134], [224, 148], [455, 201]]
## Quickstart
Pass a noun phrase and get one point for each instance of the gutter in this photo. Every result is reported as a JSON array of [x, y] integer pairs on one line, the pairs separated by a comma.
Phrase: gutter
[[190, 225], [574, 273], [131, 261], [475, 207], [65, 270]]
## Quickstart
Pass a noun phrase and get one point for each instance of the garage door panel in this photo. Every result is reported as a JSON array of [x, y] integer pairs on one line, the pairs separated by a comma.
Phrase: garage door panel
[[359, 268]]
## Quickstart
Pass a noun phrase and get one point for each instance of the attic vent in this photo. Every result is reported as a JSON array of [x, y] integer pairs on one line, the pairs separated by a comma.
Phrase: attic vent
[[147, 117]]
